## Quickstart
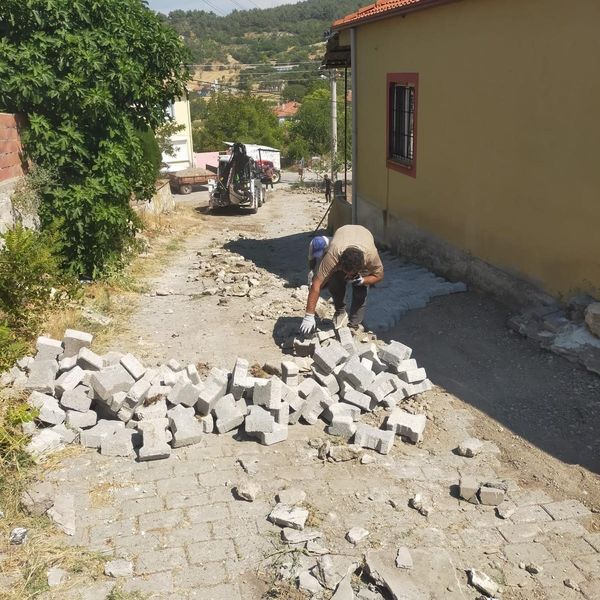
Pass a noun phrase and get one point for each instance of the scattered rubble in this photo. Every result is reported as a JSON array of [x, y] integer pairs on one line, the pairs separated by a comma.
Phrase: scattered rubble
[[470, 448], [482, 582], [403, 558], [247, 491], [18, 536], [56, 576], [118, 568], [357, 535]]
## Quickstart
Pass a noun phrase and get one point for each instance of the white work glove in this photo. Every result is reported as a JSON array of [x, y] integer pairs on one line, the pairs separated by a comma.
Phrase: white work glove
[[358, 280], [310, 278], [308, 324]]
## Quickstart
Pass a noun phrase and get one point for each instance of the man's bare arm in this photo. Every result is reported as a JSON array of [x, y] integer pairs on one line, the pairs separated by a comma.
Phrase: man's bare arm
[[313, 295], [372, 279]]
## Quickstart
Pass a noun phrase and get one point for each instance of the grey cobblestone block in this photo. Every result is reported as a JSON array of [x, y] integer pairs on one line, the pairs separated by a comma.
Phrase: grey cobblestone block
[[268, 394], [89, 361], [281, 413], [109, 381], [154, 436], [258, 421], [156, 561], [529, 552], [521, 532], [49, 410], [290, 373], [66, 364], [341, 409], [407, 425], [217, 550], [346, 340], [239, 378], [140, 506], [215, 388], [350, 395], [118, 568], [394, 353], [74, 341], [42, 374], [329, 357], [330, 381], [566, 509], [174, 365], [530, 514], [81, 420], [353, 372], [67, 435], [203, 579], [342, 425], [92, 438], [382, 386], [77, 399], [279, 434], [68, 381], [164, 519], [413, 376], [137, 393], [379, 440], [208, 514], [589, 565], [418, 388], [185, 427], [228, 415], [155, 410], [192, 374], [316, 402], [118, 444], [48, 348], [410, 364], [133, 366]]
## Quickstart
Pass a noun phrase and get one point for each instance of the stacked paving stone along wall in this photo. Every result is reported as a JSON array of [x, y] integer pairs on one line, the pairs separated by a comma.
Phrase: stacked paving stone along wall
[[11, 166]]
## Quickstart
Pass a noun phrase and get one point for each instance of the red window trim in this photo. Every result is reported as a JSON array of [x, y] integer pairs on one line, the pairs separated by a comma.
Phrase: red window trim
[[402, 78]]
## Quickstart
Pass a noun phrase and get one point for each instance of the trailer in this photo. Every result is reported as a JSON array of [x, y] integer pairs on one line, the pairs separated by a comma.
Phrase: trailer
[[183, 181]]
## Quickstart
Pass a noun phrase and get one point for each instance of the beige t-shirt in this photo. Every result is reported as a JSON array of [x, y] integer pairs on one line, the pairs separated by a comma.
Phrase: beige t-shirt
[[351, 236]]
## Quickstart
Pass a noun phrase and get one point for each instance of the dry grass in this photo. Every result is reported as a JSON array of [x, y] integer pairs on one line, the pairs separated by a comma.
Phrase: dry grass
[[23, 568]]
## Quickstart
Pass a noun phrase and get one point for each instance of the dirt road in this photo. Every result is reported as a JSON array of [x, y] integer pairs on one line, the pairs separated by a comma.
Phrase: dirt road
[[230, 291]]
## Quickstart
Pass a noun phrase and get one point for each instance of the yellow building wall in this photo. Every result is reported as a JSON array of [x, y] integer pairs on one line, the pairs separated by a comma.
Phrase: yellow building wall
[[508, 161]]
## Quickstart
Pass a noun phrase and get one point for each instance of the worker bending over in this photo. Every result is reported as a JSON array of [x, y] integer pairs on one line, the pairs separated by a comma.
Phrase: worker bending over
[[350, 258]]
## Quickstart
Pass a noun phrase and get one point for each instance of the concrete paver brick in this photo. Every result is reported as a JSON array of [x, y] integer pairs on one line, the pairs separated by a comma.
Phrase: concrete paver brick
[[306, 387], [316, 402], [268, 394], [208, 514], [279, 434], [330, 382], [329, 357], [290, 373], [413, 375], [521, 532], [530, 514], [367, 436], [239, 378], [77, 399], [528, 552], [589, 565], [88, 360], [215, 550], [133, 366], [346, 340], [81, 420], [215, 387], [186, 428], [42, 374], [228, 415], [407, 425], [358, 376], [68, 381], [74, 341], [155, 561], [92, 438], [259, 420], [382, 386], [566, 509], [48, 348], [109, 381], [164, 519], [394, 353], [118, 444], [352, 396], [154, 439]]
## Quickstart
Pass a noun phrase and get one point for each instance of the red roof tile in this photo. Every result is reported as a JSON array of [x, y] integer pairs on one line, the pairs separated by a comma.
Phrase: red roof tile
[[289, 109], [380, 9]]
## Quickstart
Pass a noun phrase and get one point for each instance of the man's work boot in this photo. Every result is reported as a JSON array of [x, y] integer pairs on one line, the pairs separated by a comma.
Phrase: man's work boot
[[340, 318]]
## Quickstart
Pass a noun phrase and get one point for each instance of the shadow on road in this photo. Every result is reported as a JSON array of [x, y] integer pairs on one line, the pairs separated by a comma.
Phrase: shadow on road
[[463, 342]]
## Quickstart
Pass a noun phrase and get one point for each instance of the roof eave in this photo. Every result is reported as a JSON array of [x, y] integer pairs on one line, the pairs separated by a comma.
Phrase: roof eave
[[402, 10]]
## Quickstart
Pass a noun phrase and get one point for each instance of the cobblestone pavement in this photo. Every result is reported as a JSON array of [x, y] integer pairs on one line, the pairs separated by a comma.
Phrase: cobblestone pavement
[[188, 537]]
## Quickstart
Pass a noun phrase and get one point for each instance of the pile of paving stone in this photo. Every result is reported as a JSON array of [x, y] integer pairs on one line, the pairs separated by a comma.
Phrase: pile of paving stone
[[116, 404]]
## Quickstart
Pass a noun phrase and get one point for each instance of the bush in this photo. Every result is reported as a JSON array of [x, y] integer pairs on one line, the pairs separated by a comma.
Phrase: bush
[[11, 348], [31, 279]]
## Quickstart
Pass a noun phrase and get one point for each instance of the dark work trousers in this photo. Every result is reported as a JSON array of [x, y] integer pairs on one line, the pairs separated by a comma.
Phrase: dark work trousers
[[328, 194], [358, 306]]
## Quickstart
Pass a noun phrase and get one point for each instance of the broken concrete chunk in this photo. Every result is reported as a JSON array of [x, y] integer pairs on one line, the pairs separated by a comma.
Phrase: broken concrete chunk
[[38, 498], [506, 509], [470, 447], [74, 341], [307, 582], [81, 420], [344, 589], [56, 576], [63, 513], [330, 570], [45, 442], [118, 568], [490, 495], [482, 582], [367, 436], [406, 425], [294, 536], [380, 566], [18, 536], [357, 535], [291, 496], [247, 490], [403, 558], [288, 516], [133, 366], [421, 505]]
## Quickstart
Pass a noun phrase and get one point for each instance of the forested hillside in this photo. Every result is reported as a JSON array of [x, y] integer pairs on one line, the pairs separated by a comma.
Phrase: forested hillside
[[281, 34]]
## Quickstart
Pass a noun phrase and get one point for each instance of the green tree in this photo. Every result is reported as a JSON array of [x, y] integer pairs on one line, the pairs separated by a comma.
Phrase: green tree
[[89, 75], [229, 118]]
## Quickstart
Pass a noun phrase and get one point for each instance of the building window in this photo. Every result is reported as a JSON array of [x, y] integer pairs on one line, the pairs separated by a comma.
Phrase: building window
[[402, 122]]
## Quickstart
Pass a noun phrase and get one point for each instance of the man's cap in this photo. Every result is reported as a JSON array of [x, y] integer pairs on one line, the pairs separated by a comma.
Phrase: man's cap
[[319, 246]]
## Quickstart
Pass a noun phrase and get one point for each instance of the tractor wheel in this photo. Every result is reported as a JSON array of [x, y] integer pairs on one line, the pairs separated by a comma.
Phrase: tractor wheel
[[276, 177], [186, 188]]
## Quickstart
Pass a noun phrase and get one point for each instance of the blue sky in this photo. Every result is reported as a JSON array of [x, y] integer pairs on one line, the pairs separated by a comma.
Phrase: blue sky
[[221, 6]]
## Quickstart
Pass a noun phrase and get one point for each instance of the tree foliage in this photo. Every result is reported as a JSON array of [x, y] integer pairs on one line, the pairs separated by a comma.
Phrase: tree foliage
[[227, 117], [89, 74]]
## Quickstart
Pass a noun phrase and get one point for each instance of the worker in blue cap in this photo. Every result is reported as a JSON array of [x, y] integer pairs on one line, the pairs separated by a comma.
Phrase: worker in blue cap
[[316, 251]]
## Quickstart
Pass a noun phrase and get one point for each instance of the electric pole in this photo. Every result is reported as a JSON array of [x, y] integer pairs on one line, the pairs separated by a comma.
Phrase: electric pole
[[334, 137]]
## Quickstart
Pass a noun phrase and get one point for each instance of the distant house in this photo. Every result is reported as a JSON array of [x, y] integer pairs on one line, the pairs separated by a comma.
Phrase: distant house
[[287, 111], [179, 111], [476, 137]]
